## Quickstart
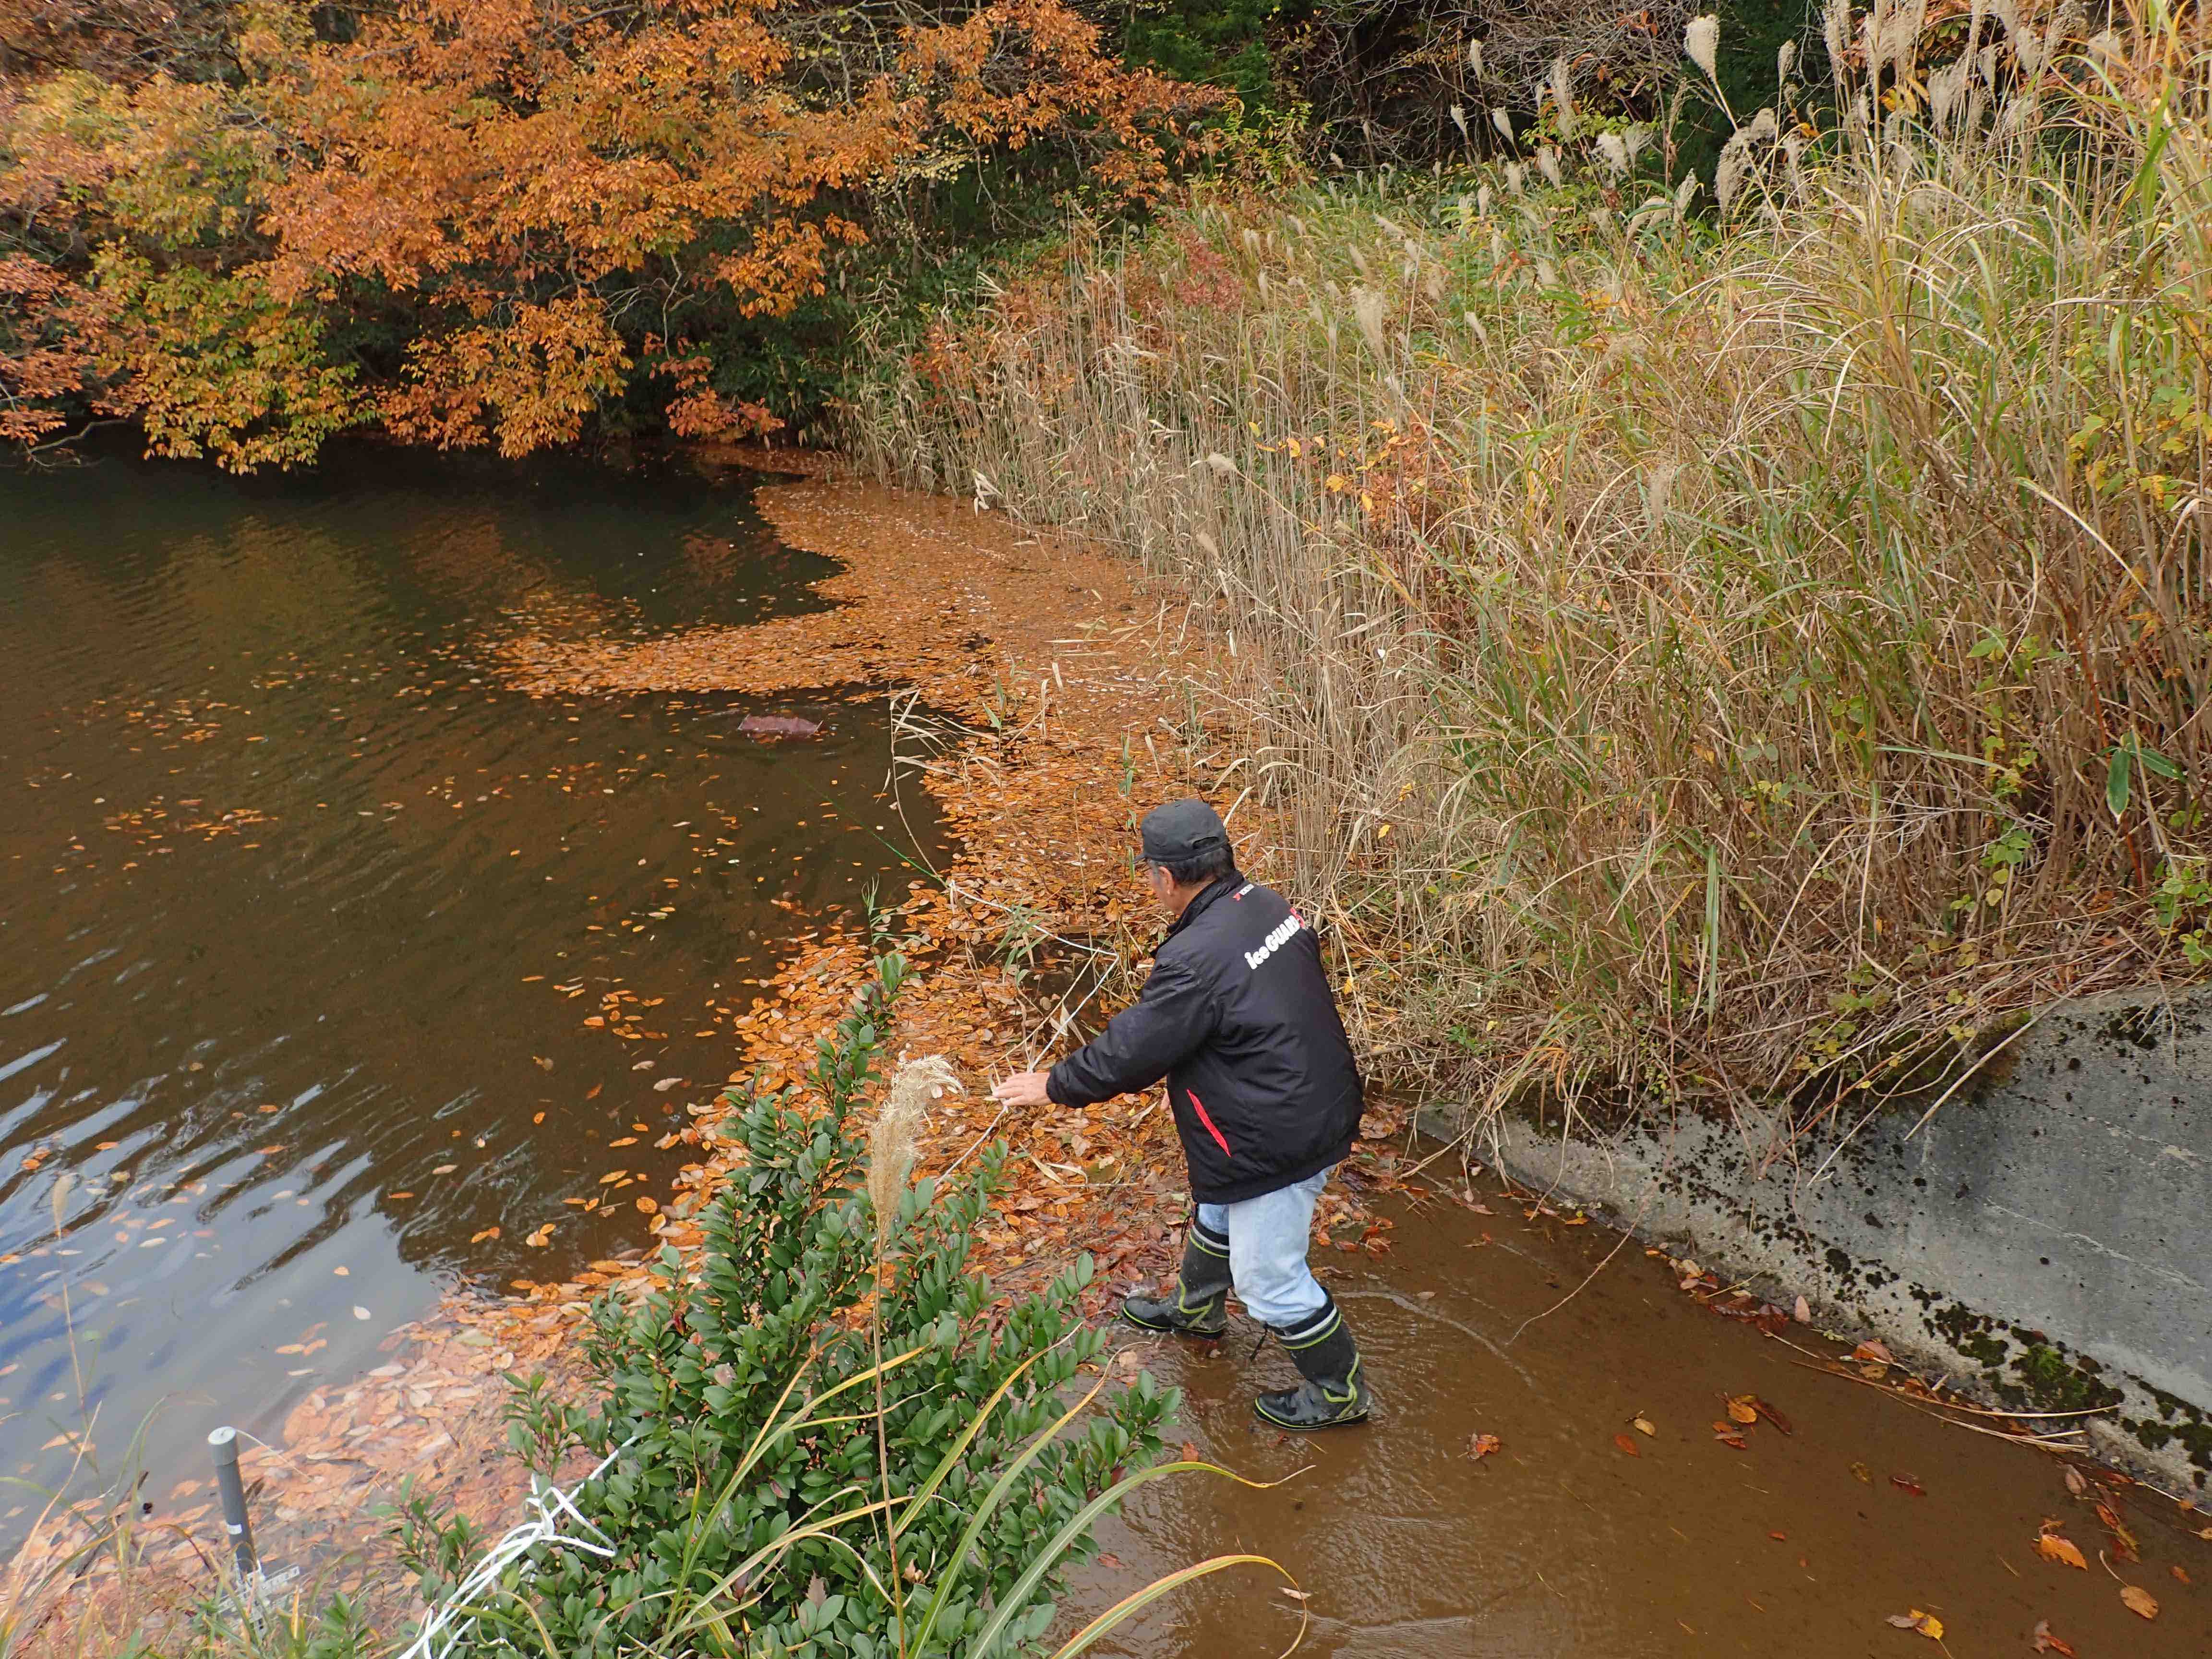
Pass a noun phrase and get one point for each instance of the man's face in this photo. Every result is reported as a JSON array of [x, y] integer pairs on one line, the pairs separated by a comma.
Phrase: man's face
[[1164, 888]]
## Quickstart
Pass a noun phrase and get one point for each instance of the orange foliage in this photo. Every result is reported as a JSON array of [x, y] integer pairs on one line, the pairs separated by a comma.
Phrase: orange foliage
[[503, 197]]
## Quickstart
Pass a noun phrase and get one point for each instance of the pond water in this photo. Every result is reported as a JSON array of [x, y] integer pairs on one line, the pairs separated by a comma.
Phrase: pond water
[[331, 971], [1575, 1531]]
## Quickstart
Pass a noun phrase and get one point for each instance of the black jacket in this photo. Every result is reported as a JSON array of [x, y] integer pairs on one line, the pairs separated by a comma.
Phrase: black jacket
[[1238, 1016]]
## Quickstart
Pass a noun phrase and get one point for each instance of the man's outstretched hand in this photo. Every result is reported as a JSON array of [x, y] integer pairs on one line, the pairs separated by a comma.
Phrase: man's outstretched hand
[[1022, 1089]]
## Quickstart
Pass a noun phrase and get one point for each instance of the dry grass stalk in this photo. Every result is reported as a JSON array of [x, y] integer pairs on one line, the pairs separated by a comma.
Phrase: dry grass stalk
[[1758, 664]]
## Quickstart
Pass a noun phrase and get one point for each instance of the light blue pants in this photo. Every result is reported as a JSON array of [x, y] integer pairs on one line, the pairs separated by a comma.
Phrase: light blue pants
[[1267, 1238]]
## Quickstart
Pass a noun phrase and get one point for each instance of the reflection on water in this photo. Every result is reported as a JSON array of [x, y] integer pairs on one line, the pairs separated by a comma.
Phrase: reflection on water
[[329, 970]]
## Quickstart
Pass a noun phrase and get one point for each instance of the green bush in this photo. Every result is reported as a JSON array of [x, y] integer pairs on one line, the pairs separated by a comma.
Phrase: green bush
[[743, 1507]]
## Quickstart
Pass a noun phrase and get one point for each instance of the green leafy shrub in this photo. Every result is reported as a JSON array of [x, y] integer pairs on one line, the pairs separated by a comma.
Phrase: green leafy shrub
[[747, 1504]]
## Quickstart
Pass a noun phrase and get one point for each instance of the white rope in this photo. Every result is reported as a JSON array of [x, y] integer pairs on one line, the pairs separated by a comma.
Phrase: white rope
[[452, 1622]]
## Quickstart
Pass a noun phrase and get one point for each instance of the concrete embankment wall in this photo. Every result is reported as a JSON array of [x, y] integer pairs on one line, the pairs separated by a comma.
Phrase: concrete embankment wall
[[2046, 1234]]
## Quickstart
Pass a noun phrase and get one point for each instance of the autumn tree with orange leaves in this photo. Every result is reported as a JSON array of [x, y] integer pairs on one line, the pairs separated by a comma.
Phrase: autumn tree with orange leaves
[[472, 222]]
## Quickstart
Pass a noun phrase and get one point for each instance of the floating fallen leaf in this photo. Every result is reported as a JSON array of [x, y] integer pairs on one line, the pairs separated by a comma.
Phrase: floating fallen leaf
[[1740, 1409], [2075, 1483], [1480, 1446], [2180, 1573], [2051, 1548], [664, 1085], [343, 1272], [2046, 1643], [1643, 1425], [1861, 1473], [2123, 1541], [1926, 1623], [360, 1312], [626, 1140], [538, 1240], [445, 1168], [489, 1232], [1803, 1311], [1772, 1415], [2140, 1601], [543, 1064], [1627, 1445], [649, 1206], [1907, 1485]]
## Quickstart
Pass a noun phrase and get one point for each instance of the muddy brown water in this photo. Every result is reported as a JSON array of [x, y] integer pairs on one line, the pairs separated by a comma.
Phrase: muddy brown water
[[302, 916], [1560, 1543]]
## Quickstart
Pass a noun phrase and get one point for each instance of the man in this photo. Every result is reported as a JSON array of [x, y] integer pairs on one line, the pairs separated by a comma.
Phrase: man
[[1237, 1014]]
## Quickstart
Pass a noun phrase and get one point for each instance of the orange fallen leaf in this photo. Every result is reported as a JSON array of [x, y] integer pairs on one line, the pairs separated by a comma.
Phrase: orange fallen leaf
[[1483, 1445], [2051, 1548], [647, 1204], [2140, 1601], [1626, 1444], [1741, 1410], [1927, 1624], [489, 1232], [2046, 1643]]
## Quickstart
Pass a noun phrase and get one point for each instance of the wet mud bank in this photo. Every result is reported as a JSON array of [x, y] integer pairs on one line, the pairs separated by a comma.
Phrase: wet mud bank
[[2039, 1239]]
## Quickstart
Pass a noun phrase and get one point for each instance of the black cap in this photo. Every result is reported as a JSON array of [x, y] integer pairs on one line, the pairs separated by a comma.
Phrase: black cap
[[1180, 830]]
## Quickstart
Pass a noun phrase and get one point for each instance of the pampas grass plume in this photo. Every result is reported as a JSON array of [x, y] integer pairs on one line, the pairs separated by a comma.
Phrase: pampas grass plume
[[1701, 41], [895, 1133]]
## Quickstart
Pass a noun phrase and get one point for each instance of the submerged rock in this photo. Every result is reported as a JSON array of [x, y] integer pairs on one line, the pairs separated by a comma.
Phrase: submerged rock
[[778, 726]]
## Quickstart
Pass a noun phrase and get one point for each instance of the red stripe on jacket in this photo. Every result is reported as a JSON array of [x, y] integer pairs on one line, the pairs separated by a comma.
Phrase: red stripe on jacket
[[1212, 1128]]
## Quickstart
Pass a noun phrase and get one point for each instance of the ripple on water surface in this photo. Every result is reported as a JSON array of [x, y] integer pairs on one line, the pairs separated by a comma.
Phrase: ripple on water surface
[[330, 969]]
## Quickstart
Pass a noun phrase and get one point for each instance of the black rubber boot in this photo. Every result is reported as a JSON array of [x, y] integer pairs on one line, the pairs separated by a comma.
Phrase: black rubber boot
[[1333, 1392], [1200, 1305]]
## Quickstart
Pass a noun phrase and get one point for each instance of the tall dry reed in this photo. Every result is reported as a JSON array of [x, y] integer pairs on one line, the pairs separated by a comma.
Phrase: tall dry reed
[[1754, 660]]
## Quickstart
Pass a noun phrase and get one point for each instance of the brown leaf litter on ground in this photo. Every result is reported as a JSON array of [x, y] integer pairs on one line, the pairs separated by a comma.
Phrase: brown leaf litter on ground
[[1043, 721]]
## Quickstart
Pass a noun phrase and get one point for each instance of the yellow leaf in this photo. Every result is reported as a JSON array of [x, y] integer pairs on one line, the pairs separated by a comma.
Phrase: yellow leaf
[[2141, 1601], [1740, 1409]]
